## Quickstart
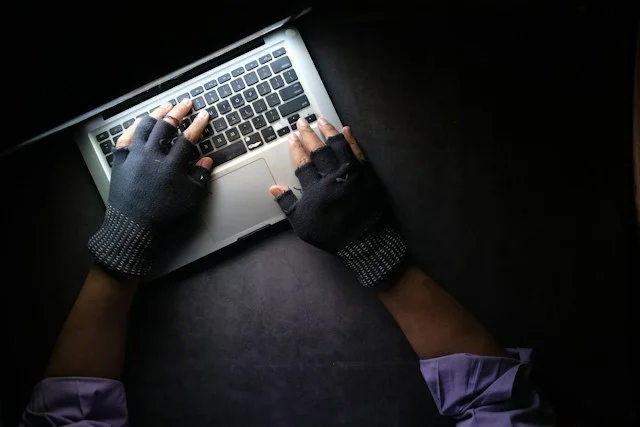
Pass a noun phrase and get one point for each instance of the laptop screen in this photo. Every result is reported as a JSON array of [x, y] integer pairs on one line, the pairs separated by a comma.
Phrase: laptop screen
[[77, 60]]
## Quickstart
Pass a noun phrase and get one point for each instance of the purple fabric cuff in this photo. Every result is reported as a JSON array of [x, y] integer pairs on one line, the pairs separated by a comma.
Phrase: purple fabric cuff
[[76, 401]]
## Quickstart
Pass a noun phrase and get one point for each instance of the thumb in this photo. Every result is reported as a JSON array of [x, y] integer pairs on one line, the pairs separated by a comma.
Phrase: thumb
[[276, 190]]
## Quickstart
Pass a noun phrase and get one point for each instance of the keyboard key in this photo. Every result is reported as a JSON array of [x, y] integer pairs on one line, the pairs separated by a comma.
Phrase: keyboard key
[[213, 113], [110, 160], [205, 146], [128, 123], [237, 72], [105, 147], [251, 65], [224, 78], [220, 124], [197, 91], [237, 101], [233, 118], [273, 100], [311, 118], [253, 141], [279, 52], [102, 136], [280, 64], [198, 103], [276, 82], [224, 91], [272, 115], [264, 59], [268, 134], [237, 85], [245, 128], [263, 88], [115, 139], [250, 94], [293, 118], [290, 76], [246, 112], [259, 106], [259, 122], [232, 134], [285, 130], [251, 78], [139, 116], [294, 126], [294, 105], [291, 91], [210, 85], [115, 129], [173, 102], [211, 97], [264, 72], [224, 107], [184, 125], [183, 96], [219, 140], [228, 153], [207, 132]]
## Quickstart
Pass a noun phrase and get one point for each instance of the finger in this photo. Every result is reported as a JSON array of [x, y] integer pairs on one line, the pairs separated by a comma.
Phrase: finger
[[125, 138], [353, 143], [193, 132], [287, 201], [183, 152], [205, 162], [276, 190], [341, 149], [299, 156], [326, 128], [310, 140], [176, 114], [159, 112]]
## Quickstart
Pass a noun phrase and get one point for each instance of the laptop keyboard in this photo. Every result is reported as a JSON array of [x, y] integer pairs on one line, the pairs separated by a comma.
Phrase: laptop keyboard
[[242, 106]]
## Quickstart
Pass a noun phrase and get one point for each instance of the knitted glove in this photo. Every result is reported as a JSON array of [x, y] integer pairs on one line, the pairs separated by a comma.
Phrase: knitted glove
[[152, 184], [343, 210]]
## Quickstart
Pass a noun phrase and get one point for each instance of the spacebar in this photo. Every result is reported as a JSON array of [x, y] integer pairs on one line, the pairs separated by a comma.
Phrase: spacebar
[[227, 153], [294, 105]]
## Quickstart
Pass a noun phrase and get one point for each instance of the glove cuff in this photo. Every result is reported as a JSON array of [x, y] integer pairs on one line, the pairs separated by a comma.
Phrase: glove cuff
[[122, 245], [375, 255]]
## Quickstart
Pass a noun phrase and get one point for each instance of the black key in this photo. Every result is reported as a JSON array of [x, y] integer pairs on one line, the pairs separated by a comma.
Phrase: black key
[[246, 112], [105, 147], [291, 91], [290, 76], [253, 141], [263, 88], [115, 139], [259, 106], [184, 125], [268, 134], [251, 65], [293, 118], [224, 107], [233, 118], [265, 58], [273, 100], [228, 153], [207, 132], [272, 115], [224, 91], [110, 160], [276, 82], [219, 124], [183, 96], [250, 94], [237, 72], [279, 52], [280, 64], [259, 122], [224, 78], [102, 136], [237, 85], [193, 118], [210, 85], [245, 128], [294, 105], [294, 126], [232, 134], [173, 102], [128, 123], [196, 91], [198, 103], [285, 130], [212, 112], [219, 140], [211, 97], [115, 129], [264, 72], [311, 118], [237, 101], [251, 78], [205, 146], [142, 115]]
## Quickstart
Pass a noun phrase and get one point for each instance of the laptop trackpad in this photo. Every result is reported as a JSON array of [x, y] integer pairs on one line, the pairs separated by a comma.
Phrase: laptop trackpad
[[240, 200]]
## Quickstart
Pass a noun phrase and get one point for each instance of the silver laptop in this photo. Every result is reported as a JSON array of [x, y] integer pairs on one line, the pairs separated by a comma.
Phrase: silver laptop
[[267, 81]]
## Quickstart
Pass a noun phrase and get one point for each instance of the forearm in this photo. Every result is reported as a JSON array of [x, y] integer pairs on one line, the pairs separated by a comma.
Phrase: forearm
[[92, 341]]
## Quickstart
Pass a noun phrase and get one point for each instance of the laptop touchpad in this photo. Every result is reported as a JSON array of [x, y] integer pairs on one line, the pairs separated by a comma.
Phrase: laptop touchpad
[[240, 200]]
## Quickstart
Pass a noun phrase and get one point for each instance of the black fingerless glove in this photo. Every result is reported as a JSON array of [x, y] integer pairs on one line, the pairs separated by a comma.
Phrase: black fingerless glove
[[152, 184], [343, 210]]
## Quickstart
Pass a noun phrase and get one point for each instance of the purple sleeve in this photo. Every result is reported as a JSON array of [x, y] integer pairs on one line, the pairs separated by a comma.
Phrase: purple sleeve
[[486, 391], [76, 401]]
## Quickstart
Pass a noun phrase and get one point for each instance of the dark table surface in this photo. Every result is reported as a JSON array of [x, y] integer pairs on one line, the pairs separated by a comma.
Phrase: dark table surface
[[503, 138]]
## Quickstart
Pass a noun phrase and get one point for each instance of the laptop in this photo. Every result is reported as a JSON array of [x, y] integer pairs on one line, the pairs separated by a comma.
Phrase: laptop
[[254, 90]]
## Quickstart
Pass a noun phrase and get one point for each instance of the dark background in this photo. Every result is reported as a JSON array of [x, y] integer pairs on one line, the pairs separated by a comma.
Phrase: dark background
[[502, 133]]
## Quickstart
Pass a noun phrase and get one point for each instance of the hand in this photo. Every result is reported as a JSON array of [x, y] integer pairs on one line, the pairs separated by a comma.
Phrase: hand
[[343, 209], [152, 184]]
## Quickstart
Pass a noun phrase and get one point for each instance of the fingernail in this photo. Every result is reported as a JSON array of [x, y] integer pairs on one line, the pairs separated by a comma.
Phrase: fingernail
[[202, 114], [322, 121], [167, 105], [302, 122], [185, 101], [293, 138]]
